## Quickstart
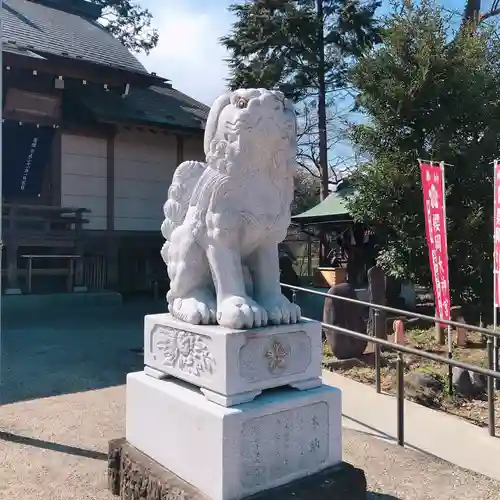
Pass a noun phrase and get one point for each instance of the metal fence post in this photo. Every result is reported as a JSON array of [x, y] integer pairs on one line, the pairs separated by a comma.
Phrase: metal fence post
[[496, 353], [400, 399], [378, 381], [491, 389]]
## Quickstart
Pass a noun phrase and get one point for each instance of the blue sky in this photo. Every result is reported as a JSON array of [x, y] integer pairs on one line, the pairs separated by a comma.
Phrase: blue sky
[[189, 53]]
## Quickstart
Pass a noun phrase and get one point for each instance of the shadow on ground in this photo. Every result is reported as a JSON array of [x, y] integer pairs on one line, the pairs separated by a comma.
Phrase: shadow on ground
[[380, 496], [49, 445], [57, 352]]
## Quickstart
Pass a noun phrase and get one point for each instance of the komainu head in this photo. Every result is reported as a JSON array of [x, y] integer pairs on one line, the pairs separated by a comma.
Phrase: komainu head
[[251, 124]]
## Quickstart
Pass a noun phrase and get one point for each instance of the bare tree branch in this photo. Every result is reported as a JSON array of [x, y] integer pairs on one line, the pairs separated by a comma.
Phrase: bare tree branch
[[313, 173], [491, 13], [308, 141]]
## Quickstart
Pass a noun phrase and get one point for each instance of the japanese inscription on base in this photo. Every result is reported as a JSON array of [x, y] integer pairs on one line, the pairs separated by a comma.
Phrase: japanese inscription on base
[[277, 445]]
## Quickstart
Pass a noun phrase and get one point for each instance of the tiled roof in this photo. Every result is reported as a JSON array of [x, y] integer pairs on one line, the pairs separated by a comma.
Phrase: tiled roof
[[30, 28], [167, 98], [50, 31], [162, 106]]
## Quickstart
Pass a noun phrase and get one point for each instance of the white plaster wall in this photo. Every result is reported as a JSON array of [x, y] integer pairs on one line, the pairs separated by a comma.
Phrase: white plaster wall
[[83, 176], [144, 166]]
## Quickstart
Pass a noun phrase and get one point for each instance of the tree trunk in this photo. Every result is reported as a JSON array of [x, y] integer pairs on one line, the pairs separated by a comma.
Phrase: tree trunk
[[471, 14], [323, 147]]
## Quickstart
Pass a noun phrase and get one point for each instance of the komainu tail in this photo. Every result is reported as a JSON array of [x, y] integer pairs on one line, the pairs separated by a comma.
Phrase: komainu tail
[[184, 181]]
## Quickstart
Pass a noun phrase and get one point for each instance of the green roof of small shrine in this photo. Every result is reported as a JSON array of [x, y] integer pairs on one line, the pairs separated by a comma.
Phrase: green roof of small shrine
[[332, 209]]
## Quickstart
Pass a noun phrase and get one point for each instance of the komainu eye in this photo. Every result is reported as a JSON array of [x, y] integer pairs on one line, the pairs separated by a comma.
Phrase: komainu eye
[[241, 103]]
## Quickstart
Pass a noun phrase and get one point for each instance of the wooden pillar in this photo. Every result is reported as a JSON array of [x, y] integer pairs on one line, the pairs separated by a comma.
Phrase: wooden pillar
[[55, 175], [112, 268], [110, 183], [11, 249], [180, 149], [75, 277], [12, 271]]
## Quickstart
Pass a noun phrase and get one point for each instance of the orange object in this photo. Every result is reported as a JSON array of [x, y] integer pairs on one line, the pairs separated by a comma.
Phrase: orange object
[[399, 331], [329, 276]]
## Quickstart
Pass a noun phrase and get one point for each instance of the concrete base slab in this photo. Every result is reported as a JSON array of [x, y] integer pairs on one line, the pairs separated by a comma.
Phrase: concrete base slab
[[133, 475], [231, 453]]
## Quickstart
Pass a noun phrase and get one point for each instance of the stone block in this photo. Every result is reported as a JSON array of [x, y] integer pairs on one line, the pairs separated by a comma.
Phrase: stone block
[[135, 476], [231, 453], [233, 366]]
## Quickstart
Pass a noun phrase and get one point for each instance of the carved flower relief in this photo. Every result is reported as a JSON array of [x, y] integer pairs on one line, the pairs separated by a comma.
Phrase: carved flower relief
[[186, 351], [277, 355]]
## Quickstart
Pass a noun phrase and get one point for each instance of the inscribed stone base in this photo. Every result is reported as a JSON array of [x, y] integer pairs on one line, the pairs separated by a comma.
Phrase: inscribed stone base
[[132, 475], [233, 366], [231, 453]]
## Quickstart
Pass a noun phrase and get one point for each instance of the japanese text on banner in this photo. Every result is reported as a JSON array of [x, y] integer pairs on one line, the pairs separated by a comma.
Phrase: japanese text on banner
[[435, 229]]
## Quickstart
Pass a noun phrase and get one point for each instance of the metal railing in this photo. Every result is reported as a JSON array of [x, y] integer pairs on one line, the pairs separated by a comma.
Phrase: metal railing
[[401, 349]]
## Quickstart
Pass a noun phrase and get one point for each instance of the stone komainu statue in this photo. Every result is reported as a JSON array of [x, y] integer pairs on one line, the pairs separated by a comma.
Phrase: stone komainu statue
[[224, 218]]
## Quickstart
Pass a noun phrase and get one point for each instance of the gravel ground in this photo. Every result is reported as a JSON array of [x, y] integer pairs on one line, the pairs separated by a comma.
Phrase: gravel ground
[[400, 473], [65, 351], [55, 449]]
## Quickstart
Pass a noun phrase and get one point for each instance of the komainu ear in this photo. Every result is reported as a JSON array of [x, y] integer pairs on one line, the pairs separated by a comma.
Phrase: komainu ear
[[213, 119]]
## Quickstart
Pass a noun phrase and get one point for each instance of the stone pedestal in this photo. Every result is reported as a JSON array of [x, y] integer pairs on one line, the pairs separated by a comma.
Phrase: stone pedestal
[[205, 423], [230, 453], [233, 366]]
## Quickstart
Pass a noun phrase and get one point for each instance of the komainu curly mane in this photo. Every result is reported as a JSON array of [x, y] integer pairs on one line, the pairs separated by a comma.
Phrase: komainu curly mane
[[224, 218]]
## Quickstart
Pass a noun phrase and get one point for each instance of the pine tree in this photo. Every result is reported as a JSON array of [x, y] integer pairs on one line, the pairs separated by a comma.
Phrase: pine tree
[[302, 47], [130, 23]]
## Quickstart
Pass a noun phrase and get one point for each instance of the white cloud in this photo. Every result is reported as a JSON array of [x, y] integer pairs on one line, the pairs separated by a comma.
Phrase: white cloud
[[188, 52]]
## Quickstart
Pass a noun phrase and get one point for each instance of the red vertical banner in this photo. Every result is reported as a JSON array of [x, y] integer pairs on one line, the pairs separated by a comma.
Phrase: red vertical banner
[[496, 232], [435, 230]]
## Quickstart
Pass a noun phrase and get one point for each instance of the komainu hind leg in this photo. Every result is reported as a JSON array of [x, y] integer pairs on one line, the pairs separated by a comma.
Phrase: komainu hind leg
[[191, 297]]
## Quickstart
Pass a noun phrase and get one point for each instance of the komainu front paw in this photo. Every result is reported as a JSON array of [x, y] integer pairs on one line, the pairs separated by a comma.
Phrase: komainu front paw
[[280, 310], [240, 313], [194, 310]]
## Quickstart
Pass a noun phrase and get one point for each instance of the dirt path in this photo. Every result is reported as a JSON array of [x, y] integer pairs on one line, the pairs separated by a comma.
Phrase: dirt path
[[55, 448]]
